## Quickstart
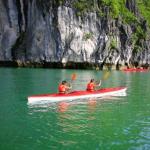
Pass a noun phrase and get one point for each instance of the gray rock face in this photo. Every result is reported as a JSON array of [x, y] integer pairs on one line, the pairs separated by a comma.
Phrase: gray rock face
[[43, 30], [8, 28]]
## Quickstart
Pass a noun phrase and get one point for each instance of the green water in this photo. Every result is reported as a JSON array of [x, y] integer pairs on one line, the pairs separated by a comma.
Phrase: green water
[[121, 123]]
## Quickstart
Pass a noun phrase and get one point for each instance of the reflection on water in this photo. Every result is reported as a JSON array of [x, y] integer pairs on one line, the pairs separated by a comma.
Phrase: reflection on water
[[65, 105]]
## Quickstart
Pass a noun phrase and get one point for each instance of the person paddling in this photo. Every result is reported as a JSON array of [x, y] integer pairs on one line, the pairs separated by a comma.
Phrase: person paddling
[[91, 86], [64, 87]]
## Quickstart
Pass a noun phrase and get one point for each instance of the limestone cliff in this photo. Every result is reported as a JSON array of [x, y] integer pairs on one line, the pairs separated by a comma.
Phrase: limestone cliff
[[39, 31]]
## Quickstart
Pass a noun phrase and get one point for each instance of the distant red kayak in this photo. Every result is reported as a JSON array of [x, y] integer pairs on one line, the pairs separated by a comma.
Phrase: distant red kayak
[[56, 97], [135, 70]]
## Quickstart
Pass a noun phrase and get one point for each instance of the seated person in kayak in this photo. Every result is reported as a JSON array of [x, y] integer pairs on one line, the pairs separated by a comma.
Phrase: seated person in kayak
[[64, 87], [91, 86]]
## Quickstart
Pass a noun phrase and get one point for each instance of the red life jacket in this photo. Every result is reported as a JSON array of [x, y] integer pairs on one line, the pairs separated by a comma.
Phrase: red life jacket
[[62, 88], [90, 86]]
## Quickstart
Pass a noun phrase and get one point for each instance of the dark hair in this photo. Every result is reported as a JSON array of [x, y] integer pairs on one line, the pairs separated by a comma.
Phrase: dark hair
[[64, 82], [92, 80]]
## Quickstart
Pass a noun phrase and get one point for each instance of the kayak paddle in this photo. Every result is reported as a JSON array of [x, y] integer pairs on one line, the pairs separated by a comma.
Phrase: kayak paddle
[[106, 75], [73, 76]]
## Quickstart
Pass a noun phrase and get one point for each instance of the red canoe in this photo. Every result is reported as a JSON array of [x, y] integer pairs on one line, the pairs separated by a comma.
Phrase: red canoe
[[116, 91], [135, 70]]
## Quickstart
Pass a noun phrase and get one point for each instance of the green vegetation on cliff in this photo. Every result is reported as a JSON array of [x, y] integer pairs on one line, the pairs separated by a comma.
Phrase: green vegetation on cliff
[[144, 8], [116, 8], [87, 36]]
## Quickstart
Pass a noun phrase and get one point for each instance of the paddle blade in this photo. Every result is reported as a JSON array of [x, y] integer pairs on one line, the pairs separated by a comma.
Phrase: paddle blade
[[73, 76], [106, 75]]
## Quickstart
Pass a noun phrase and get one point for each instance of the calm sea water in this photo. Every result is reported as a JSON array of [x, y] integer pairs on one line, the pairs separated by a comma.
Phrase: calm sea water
[[120, 123]]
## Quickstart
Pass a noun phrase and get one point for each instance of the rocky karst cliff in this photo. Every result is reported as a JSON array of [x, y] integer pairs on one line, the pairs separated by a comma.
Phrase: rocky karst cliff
[[96, 31]]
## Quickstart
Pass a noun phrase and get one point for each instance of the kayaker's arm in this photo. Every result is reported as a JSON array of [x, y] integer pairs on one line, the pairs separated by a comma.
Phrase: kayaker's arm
[[100, 83], [97, 85], [69, 86]]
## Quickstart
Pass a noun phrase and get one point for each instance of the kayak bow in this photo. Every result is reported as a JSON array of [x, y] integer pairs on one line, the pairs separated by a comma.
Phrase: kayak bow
[[56, 97]]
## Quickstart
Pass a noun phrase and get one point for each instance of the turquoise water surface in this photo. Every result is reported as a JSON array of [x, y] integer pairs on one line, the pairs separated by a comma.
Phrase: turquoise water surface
[[118, 123]]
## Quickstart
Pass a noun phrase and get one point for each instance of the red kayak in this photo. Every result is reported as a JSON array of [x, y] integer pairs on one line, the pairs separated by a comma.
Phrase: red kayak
[[56, 97], [135, 70]]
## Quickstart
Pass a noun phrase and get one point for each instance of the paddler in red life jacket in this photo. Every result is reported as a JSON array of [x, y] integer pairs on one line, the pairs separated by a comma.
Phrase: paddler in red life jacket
[[64, 87], [91, 86]]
